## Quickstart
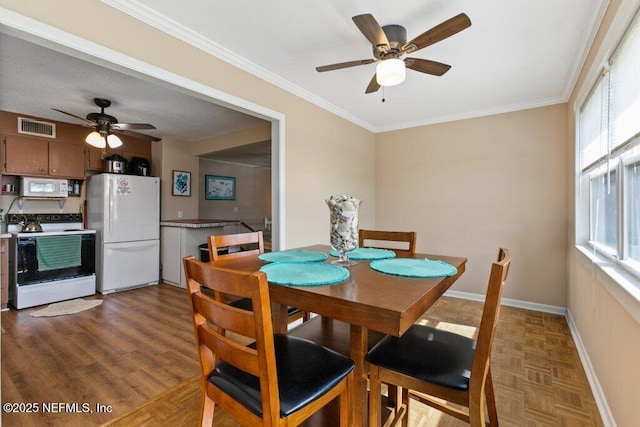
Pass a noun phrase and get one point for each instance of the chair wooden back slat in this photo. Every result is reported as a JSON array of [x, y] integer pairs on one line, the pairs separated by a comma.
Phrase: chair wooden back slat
[[233, 240], [224, 316], [378, 236], [240, 356]]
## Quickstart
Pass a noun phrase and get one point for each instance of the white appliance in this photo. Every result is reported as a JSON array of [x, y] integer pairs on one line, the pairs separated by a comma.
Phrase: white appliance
[[55, 264], [125, 211], [43, 187]]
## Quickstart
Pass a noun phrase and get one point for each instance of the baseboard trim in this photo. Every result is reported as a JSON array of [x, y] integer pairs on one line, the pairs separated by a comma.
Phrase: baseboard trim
[[545, 308], [596, 389], [594, 384]]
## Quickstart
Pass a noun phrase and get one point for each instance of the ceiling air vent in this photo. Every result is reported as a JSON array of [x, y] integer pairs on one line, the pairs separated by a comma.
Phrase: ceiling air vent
[[37, 128]]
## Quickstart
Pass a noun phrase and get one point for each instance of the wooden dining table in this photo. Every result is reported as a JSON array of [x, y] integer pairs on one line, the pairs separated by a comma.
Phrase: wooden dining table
[[367, 301]]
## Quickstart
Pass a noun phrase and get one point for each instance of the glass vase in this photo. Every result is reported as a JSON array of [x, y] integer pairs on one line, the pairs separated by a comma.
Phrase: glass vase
[[343, 232]]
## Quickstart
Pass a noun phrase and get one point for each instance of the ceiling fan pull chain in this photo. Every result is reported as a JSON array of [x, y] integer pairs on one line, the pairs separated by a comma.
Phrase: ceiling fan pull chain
[[383, 94]]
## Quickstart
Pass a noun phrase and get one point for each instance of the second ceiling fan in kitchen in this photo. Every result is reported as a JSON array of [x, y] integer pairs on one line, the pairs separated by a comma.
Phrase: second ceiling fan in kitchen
[[106, 127], [390, 45]]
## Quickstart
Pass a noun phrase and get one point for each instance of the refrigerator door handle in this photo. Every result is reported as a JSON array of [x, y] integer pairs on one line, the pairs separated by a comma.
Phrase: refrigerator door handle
[[133, 246], [110, 191]]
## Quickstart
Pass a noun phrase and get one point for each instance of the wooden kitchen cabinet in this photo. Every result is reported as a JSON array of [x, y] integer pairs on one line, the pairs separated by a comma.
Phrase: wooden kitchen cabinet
[[66, 160], [94, 159], [25, 155], [33, 156]]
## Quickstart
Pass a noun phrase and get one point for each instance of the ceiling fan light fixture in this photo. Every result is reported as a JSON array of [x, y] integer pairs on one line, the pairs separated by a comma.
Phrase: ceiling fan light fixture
[[114, 141], [96, 140], [390, 72]]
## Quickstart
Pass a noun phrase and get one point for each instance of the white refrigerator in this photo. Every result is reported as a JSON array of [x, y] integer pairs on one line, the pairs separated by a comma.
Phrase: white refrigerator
[[125, 212]]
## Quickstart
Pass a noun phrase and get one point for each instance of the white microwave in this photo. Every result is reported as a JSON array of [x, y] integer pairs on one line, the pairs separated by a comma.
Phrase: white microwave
[[43, 187]]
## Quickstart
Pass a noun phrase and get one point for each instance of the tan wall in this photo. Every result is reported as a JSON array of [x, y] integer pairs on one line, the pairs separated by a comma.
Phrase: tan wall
[[174, 157], [611, 336], [323, 155], [253, 193], [254, 134], [470, 186]]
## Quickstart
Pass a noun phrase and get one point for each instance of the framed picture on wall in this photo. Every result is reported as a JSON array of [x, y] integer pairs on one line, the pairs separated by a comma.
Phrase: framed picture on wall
[[219, 187], [181, 183]]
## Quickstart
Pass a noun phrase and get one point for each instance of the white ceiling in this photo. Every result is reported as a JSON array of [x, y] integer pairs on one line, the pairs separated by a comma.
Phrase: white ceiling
[[516, 55]]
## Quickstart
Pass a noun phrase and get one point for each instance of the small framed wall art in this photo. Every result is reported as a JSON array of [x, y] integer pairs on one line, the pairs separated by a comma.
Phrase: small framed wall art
[[219, 187], [181, 183]]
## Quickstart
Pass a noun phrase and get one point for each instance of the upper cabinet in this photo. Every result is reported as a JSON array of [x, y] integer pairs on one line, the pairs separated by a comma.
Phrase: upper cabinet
[[65, 156], [32, 156]]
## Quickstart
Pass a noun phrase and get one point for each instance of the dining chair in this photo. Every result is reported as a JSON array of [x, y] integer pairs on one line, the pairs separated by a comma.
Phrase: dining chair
[[378, 236], [442, 365], [231, 246], [276, 380]]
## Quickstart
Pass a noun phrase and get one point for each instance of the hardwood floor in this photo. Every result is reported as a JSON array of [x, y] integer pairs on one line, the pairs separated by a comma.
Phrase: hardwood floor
[[138, 344], [134, 346]]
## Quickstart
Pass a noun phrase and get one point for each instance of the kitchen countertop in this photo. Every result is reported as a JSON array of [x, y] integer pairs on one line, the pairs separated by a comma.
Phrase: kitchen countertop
[[5, 236], [197, 223]]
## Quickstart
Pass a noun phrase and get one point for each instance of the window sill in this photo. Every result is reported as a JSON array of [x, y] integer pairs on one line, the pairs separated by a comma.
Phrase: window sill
[[624, 286]]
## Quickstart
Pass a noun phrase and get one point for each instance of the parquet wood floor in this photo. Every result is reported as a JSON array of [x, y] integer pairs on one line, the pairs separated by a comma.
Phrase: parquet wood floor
[[136, 351]]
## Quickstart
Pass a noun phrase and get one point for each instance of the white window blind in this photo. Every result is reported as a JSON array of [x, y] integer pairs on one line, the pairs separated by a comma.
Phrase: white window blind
[[625, 88], [593, 125], [609, 154]]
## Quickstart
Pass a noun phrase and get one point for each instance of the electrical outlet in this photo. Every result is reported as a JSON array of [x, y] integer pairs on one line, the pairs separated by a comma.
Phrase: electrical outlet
[[235, 209], [179, 214]]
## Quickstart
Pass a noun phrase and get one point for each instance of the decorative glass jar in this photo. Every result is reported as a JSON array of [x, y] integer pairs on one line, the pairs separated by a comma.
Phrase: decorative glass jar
[[344, 227]]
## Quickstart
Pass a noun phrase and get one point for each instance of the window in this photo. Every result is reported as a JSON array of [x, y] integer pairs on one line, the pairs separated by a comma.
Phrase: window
[[603, 203], [632, 207], [609, 155]]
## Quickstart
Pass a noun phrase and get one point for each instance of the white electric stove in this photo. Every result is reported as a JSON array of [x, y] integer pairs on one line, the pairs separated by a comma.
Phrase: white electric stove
[[55, 264]]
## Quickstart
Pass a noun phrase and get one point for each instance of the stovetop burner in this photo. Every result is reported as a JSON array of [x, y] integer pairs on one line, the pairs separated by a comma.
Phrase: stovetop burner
[[51, 223], [45, 218]]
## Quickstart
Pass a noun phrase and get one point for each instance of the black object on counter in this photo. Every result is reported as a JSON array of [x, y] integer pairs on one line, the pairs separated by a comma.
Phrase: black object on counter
[[140, 166]]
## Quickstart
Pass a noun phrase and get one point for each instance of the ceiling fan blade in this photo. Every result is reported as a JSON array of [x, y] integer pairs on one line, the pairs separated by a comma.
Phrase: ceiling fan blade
[[131, 126], [368, 25], [88, 122], [373, 85], [427, 66], [438, 33], [344, 65], [135, 134]]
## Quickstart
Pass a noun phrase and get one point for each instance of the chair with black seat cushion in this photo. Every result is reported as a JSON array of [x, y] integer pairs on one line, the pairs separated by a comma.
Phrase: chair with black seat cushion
[[230, 246], [442, 365], [366, 238], [276, 380]]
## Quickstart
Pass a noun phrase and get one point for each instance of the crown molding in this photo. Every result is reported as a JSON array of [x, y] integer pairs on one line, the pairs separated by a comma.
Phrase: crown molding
[[179, 31], [474, 114]]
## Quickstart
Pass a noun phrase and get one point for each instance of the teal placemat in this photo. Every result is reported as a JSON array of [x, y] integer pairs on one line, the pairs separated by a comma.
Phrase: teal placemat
[[411, 267], [367, 253], [305, 274], [294, 255]]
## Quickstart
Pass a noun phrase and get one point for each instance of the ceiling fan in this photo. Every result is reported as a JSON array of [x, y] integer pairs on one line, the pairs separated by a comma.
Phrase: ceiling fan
[[390, 46], [107, 126]]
